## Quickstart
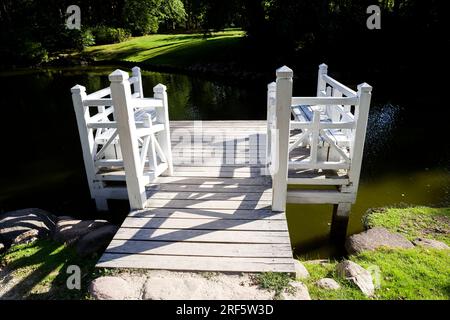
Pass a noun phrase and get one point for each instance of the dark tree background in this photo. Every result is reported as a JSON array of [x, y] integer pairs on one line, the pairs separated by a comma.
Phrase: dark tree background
[[277, 31]]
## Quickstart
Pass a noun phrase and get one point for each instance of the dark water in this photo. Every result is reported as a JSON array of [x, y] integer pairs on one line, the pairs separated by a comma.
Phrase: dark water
[[406, 157]]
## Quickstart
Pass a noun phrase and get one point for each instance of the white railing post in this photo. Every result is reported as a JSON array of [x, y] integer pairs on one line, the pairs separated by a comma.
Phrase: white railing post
[[271, 92], [357, 149], [160, 92], [124, 115], [87, 143], [321, 84], [137, 86], [282, 122]]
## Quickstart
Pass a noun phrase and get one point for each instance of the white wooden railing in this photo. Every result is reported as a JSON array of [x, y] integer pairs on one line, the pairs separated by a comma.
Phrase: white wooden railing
[[331, 127], [124, 137]]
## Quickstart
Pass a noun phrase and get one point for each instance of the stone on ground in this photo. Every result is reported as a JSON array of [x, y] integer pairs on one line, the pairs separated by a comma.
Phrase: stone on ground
[[15, 223], [358, 275], [163, 285], [69, 230], [430, 243], [328, 284], [300, 270], [169, 285], [297, 291], [96, 240], [375, 238], [122, 287], [2, 247]]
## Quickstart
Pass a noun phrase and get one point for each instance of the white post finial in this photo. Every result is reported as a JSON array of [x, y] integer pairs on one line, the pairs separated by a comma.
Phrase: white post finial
[[78, 89], [323, 68], [284, 72], [118, 76]]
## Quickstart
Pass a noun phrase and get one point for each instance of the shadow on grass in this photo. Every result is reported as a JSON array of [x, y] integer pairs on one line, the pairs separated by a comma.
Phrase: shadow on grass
[[41, 267]]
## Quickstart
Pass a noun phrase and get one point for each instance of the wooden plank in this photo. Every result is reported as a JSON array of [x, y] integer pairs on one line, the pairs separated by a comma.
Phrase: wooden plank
[[319, 196], [259, 250], [226, 264], [226, 174], [215, 181], [191, 195], [205, 224], [223, 236], [208, 213], [206, 204], [172, 187], [207, 169]]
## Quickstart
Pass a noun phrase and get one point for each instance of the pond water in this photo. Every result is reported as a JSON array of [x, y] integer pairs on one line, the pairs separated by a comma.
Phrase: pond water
[[406, 157]]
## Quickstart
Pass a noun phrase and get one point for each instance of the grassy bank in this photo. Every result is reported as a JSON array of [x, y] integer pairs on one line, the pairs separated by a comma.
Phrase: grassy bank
[[417, 273], [38, 271], [174, 50]]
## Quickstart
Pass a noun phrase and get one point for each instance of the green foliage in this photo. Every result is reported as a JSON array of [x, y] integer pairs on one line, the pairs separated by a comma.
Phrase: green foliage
[[273, 281], [33, 53], [107, 35], [413, 222], [141, 16]]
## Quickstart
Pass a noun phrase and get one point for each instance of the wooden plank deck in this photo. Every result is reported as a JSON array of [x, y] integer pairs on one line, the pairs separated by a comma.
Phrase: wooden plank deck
[[214, 213]]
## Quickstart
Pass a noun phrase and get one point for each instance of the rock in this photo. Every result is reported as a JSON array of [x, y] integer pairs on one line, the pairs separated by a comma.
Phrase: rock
[[166, 285], [328, 284], [2, 247], [96, 240], [375, 238], [70, 230], [297, 291], [27, 237], [300, 270], [114, 288], [430, 243], [358, 275], [15, 223]]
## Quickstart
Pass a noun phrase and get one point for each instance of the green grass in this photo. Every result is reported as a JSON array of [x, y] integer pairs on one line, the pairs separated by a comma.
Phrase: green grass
[[40, 270], [273, 281], [327, 270], [175, 50], [412, 274], [404, 274], [413, 222]]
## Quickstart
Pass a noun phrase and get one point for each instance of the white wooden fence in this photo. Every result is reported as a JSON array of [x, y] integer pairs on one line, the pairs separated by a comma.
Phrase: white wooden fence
[[124, 137], [329, 129]]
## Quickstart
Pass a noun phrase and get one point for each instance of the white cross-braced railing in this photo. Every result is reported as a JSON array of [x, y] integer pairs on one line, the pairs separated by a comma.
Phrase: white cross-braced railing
[[124, 136], [329, 129]]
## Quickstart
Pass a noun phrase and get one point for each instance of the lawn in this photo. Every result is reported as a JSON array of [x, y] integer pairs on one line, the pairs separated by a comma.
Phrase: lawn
[[175, 50]]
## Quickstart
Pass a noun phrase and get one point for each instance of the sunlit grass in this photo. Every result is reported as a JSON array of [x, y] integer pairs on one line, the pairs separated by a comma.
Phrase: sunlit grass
[[168, 48]]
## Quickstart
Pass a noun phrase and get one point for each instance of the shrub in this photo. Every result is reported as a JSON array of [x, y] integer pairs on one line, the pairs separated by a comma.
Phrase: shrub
[[106, 35], [32, 52]]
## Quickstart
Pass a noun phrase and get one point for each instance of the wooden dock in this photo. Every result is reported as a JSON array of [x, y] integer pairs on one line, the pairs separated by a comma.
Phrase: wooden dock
[[212, 215], [211, 195]]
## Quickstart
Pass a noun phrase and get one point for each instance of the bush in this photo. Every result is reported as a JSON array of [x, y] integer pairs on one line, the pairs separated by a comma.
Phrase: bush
[[32, 53], [106, 35]]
